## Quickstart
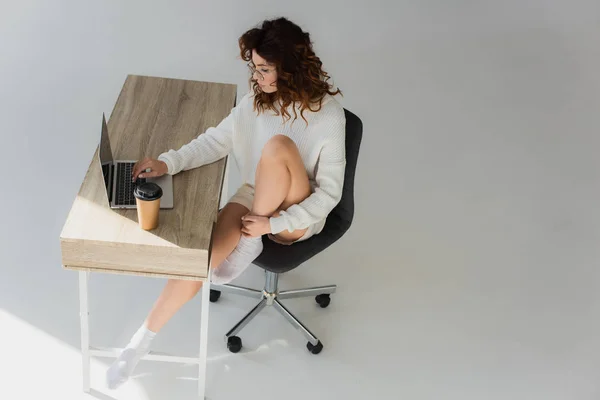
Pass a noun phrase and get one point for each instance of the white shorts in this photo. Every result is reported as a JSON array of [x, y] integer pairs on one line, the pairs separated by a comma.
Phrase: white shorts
[[245, 197]]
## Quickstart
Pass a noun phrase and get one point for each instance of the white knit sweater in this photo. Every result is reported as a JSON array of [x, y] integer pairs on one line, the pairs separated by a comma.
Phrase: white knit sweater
[[321, 144]]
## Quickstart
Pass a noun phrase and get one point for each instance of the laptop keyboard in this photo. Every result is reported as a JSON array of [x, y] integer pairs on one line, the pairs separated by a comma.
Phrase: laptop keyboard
[[125, 186]]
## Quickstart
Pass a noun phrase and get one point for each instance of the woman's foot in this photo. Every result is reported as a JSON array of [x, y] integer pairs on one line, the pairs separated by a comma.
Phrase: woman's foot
[[138, 347]]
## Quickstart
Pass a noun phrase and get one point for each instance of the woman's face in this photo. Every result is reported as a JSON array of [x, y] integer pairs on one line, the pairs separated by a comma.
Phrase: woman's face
[[265, 74]]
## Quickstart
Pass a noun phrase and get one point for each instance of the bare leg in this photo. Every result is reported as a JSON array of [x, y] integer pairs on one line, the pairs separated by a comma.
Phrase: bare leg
[[281, 181], [177, 292]]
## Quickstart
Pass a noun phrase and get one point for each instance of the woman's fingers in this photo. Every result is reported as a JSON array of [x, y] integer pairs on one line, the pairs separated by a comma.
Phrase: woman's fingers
[[139, 167], [247, 228], [136, 166], [140, 170], [150, 174], [248, 223]]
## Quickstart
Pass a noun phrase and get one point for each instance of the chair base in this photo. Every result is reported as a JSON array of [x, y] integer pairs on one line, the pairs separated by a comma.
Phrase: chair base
[[270, 296]]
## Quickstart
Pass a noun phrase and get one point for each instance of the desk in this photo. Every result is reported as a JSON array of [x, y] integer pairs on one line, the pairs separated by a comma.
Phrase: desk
[[151, 115]]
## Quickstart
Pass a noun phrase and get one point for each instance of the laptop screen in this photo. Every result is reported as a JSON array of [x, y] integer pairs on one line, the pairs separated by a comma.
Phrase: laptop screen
[[106, 158]]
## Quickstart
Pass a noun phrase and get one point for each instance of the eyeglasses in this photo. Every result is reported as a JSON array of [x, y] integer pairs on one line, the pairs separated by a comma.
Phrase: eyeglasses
[[253, 69]]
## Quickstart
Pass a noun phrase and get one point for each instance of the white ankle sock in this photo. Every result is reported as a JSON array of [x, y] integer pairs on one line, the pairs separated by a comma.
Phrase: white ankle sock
[[138, 347], [240, 258]]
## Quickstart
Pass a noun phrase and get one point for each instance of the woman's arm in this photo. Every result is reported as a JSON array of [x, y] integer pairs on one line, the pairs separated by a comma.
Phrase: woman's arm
[[207, 148]]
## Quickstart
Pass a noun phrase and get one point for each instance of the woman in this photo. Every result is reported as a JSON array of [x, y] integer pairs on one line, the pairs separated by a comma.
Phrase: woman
[[288, 139]]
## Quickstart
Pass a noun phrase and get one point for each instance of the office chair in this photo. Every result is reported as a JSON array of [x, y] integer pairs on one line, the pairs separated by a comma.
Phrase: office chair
[[277, 259]]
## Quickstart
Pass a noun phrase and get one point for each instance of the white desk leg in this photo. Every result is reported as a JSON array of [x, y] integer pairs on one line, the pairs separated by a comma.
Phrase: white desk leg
[[85, 328], [203, 338]]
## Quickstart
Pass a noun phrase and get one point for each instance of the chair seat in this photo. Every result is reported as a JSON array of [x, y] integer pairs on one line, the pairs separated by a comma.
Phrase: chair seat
[[282, 258]]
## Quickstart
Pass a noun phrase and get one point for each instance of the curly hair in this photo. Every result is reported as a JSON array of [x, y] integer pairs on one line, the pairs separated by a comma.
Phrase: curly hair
[[300, 75]]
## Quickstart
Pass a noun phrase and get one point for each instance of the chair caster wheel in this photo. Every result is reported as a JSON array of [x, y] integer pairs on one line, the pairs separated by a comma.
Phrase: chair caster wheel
[[314, 349], [234, 344], [214, 295], [323, 300]]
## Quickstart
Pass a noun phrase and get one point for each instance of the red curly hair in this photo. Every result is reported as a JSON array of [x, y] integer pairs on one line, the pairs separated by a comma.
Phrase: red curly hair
[[300, 75]]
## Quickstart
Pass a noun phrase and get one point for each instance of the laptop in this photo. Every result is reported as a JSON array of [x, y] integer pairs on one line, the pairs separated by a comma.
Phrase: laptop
[[117, 177]]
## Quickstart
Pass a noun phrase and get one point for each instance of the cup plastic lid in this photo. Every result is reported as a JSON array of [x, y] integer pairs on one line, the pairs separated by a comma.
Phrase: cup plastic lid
[[148, 191]]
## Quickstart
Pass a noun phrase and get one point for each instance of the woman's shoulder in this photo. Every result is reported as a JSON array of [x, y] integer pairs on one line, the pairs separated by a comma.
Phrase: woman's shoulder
[[330, 109]]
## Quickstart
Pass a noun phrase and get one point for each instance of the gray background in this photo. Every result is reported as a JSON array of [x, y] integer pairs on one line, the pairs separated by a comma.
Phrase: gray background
[[471, 270]]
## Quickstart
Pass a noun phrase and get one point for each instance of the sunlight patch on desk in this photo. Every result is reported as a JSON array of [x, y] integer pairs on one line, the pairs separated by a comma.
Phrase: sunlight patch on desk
[[36, 365], [104, 219]]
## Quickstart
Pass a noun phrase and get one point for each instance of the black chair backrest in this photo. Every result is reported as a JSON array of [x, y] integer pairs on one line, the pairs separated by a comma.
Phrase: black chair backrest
[[343, 213], [279, 258]]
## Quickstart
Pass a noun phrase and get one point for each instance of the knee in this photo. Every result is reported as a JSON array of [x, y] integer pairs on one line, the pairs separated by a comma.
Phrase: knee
[[278, 147]]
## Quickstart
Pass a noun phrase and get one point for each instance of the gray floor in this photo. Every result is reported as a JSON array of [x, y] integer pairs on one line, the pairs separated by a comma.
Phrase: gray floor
[[439, 322], [471, 271]]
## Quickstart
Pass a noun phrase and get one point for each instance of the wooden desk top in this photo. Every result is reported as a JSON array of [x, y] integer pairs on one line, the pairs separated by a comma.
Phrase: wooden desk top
[[151, 116]]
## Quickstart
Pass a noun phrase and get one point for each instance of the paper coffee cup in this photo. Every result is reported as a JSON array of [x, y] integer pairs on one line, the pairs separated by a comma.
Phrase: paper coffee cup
[[147, 198]]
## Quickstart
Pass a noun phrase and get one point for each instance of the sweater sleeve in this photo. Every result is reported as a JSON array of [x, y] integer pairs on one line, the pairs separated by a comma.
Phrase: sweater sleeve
[[329, 179], [207, 148]]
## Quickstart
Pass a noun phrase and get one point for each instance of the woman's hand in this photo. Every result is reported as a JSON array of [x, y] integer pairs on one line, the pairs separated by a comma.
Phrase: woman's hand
[[253, 225], [157, 168]]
